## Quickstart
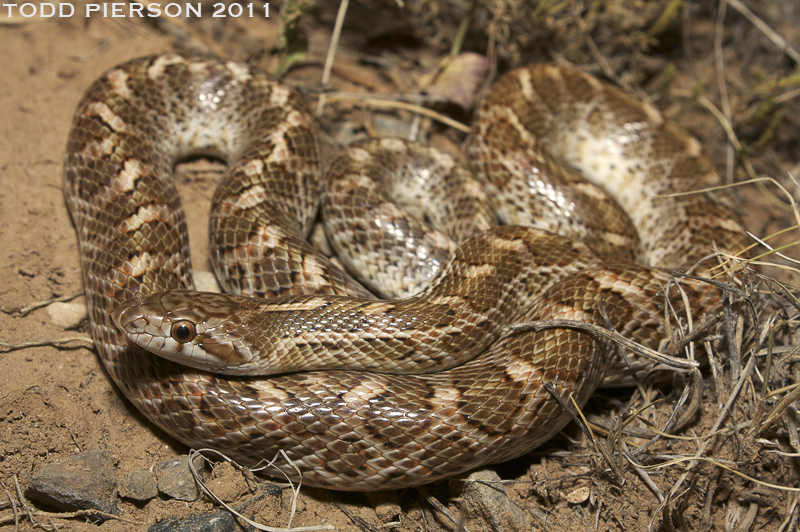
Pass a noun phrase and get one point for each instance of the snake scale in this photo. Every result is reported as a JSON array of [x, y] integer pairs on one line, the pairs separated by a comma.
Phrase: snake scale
[[474, 394]]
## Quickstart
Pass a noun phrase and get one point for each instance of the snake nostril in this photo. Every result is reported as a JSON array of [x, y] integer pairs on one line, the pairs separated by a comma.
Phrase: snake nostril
[[183, 331]]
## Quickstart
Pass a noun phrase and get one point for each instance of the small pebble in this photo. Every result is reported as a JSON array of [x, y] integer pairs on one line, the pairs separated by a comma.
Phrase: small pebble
[[487, 496], [579, 495], [175, 479], [139, 485], [69, 314]]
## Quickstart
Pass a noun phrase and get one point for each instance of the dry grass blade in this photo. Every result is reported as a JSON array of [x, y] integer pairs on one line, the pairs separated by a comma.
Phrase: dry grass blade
[[258, 526], [719, 464], [641, 471], [326, 72], [670, 361], [779, 410], [696, 333], [600, 447], [776, 39], [699, 455], [24, 311], [356, 520], [388, 104], [56, 343], [433, 501], [13, 509]]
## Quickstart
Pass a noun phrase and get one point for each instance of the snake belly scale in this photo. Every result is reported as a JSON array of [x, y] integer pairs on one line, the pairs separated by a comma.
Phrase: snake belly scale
[[354, 429]]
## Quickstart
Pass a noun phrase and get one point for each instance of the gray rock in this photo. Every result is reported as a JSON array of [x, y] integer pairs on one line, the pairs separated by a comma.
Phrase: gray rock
[[85, 481], [139, 485], [217, 520], [175, 478]]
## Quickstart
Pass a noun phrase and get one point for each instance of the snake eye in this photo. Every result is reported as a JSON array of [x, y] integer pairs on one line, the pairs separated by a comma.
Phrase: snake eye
[[183, 331]]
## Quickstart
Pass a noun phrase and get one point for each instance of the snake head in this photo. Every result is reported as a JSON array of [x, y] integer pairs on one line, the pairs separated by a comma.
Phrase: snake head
[[198, 329]]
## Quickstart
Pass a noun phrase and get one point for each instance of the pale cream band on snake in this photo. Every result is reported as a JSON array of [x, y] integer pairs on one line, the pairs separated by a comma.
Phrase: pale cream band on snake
[[354, 428]]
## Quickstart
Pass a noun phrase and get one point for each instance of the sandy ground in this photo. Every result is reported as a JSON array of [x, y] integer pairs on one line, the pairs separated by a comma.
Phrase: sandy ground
[[55, 401]]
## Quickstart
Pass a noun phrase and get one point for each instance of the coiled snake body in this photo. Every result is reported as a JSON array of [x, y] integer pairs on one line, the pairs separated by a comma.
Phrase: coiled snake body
[[354, 429]]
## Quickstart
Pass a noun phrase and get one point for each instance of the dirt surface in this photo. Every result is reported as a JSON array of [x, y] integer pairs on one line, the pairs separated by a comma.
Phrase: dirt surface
[[56, 400]]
